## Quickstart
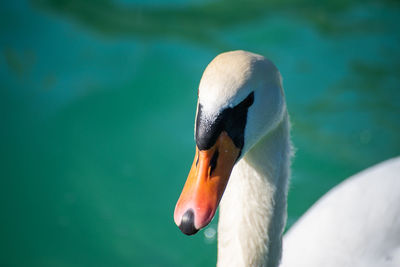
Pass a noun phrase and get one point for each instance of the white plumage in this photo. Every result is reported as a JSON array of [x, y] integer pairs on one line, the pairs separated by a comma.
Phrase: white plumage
[[357, 223]]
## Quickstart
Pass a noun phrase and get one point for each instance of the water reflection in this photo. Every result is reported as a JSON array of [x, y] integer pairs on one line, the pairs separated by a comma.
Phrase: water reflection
[[202, 21]]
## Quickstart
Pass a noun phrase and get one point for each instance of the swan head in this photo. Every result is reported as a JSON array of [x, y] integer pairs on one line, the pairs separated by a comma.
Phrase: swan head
[[240, 99]]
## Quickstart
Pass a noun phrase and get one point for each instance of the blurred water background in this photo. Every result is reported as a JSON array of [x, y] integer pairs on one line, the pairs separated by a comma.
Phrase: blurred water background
[[98, 98]]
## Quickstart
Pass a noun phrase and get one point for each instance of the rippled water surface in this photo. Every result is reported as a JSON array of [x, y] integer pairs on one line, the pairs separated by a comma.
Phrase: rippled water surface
[[97, 111]]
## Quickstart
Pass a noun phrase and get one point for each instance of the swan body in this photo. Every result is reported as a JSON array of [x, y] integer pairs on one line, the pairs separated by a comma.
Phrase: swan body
[[357, 223], [243, 153]]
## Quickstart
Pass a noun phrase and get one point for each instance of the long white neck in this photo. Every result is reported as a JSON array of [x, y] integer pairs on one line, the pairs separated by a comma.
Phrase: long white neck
[[253, 208]]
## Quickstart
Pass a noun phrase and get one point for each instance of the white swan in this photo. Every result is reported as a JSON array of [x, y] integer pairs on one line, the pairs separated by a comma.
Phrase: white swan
[[242, 136]]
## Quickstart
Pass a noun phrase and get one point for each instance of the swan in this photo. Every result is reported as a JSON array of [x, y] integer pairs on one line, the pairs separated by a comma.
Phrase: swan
[[243, 153]]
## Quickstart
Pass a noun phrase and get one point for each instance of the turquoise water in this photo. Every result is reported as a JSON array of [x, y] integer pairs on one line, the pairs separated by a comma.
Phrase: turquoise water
[[98, 103]]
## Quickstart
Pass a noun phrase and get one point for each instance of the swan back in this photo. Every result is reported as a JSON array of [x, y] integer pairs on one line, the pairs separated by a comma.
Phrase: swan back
[[355, 224]]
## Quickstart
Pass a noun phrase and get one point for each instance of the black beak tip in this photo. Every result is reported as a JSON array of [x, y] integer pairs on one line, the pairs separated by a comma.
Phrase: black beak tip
[[187, 223]]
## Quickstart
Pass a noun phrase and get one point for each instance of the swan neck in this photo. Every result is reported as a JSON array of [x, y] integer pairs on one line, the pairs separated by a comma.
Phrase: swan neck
[[253, 208]]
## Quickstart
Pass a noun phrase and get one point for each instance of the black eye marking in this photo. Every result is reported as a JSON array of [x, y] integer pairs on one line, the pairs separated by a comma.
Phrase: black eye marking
[[213, 161], [232, 120]]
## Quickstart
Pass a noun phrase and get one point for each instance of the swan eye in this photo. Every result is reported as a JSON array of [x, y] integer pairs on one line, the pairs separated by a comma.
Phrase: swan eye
[[231, 120]]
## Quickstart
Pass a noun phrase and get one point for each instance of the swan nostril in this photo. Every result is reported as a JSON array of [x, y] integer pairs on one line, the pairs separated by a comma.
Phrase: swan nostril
[[187, 223]]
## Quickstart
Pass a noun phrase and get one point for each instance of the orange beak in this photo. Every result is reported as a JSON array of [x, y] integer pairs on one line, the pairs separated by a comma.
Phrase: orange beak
[[205, 185]]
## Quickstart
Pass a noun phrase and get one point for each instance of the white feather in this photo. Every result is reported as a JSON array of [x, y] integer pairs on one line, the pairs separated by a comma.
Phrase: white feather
[[357, 223]]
